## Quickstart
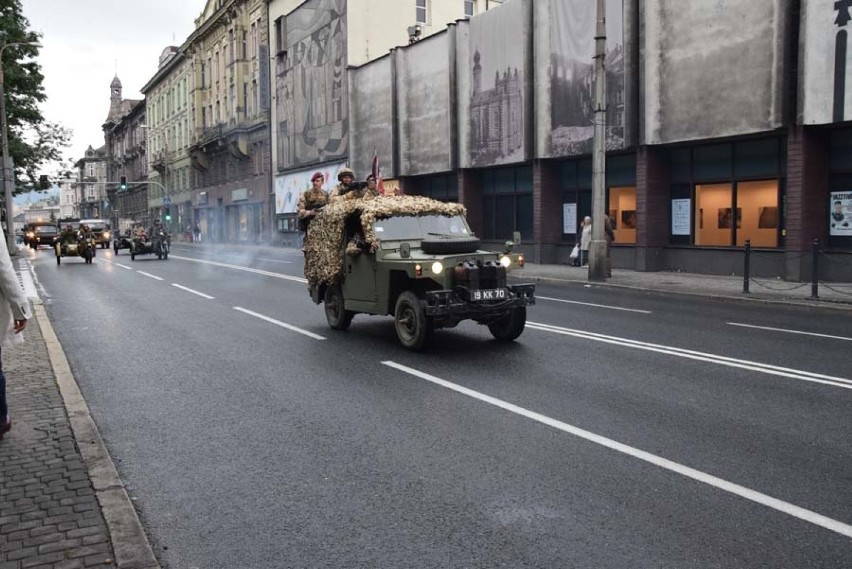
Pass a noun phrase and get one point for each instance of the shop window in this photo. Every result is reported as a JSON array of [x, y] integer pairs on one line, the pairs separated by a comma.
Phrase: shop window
[[507, 203], [757, 206], [841, 150], [756, 158], [714, 214], [622, 214], [712, 162]]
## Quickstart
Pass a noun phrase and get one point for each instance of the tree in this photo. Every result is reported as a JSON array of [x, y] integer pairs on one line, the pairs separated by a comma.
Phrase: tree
[[33, 142]]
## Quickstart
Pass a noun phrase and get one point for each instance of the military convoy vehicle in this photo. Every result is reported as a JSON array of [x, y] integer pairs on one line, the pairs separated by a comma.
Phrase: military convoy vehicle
[[415, 259]]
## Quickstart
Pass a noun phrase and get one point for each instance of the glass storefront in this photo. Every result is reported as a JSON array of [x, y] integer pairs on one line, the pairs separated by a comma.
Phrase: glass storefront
[[575, 182], [508, 203]]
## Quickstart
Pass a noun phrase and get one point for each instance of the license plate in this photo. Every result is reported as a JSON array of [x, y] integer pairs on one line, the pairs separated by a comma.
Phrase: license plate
[[488, 294]]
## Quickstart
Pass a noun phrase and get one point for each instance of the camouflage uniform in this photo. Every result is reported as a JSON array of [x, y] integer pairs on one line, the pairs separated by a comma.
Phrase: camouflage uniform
[[309, 200]]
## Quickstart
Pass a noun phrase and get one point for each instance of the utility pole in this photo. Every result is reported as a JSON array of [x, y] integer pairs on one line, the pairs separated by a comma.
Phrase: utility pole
[[597, 248]]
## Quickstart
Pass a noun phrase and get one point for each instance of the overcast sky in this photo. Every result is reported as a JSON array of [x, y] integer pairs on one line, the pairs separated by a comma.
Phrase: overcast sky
[[86, 41]]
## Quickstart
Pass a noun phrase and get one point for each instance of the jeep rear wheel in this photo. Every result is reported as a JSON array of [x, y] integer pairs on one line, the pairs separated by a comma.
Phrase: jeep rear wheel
[[413, 327], [510, 326], [335, 309]]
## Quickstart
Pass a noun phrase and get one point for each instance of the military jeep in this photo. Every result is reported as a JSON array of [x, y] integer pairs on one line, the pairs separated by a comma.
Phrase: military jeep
[[415, 259]]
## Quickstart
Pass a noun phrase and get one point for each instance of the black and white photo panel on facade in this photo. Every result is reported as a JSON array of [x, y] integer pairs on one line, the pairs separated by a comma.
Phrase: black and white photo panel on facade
[[496, 88], [714, 68], [311, 86], [826, 80]]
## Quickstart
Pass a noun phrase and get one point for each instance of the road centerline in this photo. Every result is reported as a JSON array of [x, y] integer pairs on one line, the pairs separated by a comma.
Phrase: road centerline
[[593, 304], [689, 472], [279, 323], [123, 266], [785, 330], [149, 275], [187, 289]]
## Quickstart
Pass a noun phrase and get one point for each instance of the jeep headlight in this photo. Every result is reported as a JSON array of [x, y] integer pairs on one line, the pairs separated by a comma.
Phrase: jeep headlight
[[505, 261], [106, 235], [437, 267]]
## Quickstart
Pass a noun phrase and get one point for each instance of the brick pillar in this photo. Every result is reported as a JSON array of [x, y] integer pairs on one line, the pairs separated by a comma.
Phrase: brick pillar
[[470, 196], [806, 212], [547, 212], [653, 183]]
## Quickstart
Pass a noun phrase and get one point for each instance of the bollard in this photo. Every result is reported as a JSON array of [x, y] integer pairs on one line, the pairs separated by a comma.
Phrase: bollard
[[815, 270], [746, 261]]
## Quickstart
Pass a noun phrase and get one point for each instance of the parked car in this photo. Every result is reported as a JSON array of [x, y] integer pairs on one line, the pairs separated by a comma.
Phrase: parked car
[[413, 258]]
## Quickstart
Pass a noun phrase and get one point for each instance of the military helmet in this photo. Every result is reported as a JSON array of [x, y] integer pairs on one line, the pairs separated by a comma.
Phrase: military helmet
[[345, 172]]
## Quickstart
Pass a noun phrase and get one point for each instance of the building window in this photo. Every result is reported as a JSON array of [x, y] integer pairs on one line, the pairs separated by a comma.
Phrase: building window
[[468, 8], [622, 214], [508, 203], [443, 187], [421, 11]]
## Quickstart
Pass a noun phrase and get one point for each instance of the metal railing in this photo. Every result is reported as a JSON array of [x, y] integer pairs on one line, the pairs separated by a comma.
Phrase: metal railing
[[815, 255]]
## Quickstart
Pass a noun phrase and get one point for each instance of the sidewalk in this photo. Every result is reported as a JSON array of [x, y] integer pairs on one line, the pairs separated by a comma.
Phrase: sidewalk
[[62, 505], [837, 295]]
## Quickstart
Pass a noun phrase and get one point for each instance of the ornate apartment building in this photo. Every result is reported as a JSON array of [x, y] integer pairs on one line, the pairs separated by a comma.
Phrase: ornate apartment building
[[228, 90], [169, 128], [91, 187], [124, 135]]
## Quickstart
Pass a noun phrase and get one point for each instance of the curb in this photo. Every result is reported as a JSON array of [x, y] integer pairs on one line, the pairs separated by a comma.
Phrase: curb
[[130, 544], [829, 304]]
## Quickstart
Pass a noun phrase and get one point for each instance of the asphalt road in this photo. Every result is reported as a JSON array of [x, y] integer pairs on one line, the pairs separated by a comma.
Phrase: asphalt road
[[622, 429]]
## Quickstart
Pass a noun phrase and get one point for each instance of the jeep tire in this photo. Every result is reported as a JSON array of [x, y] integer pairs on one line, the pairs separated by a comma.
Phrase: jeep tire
[[335, 312], [510, 326], [439, 246], [413, 328]]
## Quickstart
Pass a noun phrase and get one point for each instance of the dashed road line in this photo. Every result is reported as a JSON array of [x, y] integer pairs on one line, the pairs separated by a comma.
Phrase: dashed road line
[[241, 268], [124, 266], [149, 275], [699, 356], [697, 475], [187, 289], [279, 323], [593, 305], [771, 329]]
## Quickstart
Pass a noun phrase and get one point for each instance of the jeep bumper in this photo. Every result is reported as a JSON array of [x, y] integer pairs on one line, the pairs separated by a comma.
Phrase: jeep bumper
[[449, 303]]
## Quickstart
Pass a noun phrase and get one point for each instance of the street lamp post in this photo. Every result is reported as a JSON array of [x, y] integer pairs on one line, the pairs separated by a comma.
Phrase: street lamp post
[[7, 159], [597, 248]]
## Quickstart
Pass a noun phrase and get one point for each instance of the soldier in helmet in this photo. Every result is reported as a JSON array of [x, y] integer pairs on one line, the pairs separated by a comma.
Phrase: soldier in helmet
[[345, 178]]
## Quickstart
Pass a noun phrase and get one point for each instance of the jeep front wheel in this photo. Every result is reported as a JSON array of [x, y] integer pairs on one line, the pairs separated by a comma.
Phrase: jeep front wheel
[[335, 312], [413, 327], [510, 326]]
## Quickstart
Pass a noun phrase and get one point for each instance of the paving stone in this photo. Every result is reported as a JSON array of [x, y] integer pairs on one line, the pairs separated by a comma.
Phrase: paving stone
[[59, 545]]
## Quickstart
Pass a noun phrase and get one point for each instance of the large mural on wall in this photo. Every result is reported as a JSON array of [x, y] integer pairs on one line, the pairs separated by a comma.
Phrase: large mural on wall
[[825, 84], [572, 85], [496, 86], [713, 68], [423, 88], [311, 87], [371, 117]]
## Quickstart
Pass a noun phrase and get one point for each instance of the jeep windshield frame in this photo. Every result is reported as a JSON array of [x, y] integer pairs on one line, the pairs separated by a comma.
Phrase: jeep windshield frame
[[404, 227]]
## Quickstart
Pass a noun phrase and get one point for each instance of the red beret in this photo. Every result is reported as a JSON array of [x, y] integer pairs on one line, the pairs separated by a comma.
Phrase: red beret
[[317, 175]]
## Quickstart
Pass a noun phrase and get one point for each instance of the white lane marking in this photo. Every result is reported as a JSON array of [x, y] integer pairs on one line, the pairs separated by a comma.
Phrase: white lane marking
[[104, 261], [272, 260], [279, 323], [187, 289], [240, 268], [683, 470], [124, 266], [790, 331], [700, 356], [149, 275], [592, 304]]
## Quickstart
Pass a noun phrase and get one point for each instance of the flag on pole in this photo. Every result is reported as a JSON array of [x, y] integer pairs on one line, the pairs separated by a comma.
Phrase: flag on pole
[[377, 175]]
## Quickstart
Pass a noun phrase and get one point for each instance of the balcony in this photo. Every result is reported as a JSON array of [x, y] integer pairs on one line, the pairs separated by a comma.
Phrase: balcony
[[158, 161]]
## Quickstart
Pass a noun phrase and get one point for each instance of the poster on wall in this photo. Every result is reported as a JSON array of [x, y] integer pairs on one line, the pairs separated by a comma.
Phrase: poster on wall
[[498, 73], [826, 81], [681, 212], [840, 222], [569, 218], [288, 187], [310, 86], [572, 75]]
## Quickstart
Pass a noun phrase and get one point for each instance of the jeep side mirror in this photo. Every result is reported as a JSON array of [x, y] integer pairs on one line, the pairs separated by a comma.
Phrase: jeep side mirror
[[507, 248]]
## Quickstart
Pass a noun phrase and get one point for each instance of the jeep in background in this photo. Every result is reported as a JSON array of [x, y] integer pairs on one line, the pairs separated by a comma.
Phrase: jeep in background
[[413, 258], [40, 233]]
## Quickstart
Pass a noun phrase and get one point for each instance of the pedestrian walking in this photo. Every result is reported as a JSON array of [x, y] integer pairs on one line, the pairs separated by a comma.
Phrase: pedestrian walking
[[14, 312], [197, 233], [585, 240]]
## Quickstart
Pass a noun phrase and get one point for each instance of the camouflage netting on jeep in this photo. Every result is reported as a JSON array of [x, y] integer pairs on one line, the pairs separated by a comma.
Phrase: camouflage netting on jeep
[[324, 241]]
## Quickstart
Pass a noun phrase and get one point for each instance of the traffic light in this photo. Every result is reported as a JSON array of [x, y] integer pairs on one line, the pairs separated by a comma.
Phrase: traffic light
[[168, 213], [43, 182], [122, 184]]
